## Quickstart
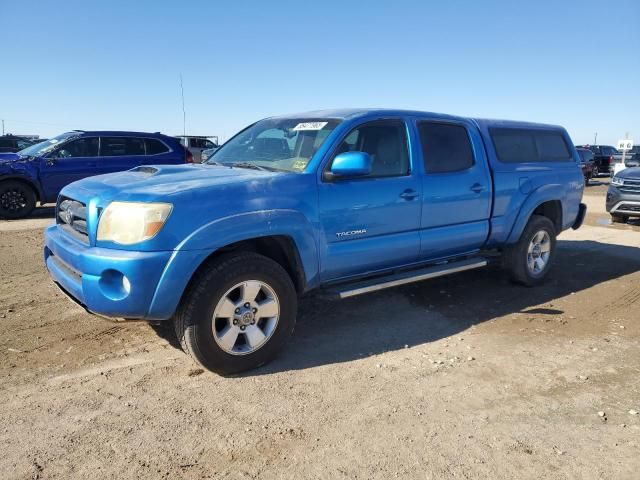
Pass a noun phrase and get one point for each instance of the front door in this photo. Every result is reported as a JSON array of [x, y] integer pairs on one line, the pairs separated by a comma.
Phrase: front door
[[371, 223], [456, 189], [71, 161]]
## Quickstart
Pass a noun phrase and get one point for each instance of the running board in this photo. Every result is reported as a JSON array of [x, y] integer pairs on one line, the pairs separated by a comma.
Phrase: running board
[[368, 286]]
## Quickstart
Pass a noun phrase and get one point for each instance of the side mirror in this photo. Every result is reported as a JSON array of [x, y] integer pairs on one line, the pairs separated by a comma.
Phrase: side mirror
[[349, 165]]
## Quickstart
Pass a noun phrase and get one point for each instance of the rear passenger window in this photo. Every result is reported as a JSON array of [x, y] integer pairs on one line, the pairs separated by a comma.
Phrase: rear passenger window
[[155, 147], [121, 146], [445, 147], [526, 146]]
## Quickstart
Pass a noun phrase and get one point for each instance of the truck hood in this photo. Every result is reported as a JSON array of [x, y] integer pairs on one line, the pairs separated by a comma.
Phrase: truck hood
[[164, 182]]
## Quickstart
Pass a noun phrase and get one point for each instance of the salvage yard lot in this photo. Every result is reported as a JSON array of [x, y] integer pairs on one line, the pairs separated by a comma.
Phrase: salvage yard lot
[[462, 377]]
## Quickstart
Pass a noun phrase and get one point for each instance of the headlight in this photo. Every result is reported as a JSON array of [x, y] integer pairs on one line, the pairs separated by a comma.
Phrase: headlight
[[127, 223], [617, 181]]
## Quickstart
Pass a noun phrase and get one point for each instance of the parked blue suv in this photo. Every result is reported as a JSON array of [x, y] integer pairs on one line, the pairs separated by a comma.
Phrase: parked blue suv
[[347, 201], [39, 172]]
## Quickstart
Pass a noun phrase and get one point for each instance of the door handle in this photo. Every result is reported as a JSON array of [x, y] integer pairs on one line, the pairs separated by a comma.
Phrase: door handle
[[476, 187], [409, 194]]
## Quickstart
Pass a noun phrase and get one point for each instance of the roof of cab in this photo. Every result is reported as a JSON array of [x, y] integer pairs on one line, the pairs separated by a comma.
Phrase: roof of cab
[[353, 113]]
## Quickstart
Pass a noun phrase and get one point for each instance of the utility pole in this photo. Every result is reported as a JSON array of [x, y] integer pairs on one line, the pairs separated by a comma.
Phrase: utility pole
[[595, 138], [184, 113]]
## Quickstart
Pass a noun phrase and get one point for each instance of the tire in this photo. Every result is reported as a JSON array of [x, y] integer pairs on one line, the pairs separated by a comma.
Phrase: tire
[[213, 312], [17, 199], [617, 218], [595, 172], [517, 258]]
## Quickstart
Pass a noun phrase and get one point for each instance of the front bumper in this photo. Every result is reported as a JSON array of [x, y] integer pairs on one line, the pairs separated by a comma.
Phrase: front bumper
[[114, 283], [623, 203]]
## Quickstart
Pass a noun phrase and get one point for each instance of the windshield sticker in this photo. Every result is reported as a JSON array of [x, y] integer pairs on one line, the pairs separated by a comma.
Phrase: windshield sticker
[[309, 126], [299, 165]]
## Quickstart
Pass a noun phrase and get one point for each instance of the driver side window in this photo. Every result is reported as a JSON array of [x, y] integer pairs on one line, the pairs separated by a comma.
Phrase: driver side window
[[385, 142], [82, 147]]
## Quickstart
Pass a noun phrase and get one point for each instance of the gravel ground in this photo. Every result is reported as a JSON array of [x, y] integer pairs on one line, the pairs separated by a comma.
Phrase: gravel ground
[[467, 376]]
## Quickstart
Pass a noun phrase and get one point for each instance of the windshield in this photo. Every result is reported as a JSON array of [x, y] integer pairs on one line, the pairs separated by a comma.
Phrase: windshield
[[46, 146], [276, 144]]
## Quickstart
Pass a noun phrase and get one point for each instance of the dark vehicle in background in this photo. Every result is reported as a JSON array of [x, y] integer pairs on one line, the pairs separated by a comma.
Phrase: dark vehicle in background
[[38, 172], [604, 157], [14, 143], [586, 164], [623, 196]]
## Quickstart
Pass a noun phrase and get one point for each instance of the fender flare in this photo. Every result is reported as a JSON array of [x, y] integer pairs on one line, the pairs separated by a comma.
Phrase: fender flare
[[545, 193], [189, 255]]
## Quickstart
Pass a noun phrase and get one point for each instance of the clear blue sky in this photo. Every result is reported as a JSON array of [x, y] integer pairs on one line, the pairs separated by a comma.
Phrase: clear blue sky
[[116, 64]]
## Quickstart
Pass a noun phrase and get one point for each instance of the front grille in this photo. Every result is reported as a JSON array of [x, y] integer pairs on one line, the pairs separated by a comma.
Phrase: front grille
[[71, 216], [630, 186], [629, 207]]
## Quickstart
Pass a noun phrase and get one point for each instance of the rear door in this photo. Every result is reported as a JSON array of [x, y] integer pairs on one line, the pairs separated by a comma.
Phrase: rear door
[[120, 153], [371, 223], [457, 189], [71, 161]]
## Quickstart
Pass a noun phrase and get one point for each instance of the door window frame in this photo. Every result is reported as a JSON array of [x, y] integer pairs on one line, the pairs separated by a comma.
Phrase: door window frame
[[406, 141]]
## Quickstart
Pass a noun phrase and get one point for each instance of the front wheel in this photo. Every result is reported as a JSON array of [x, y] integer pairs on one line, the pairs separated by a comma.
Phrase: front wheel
[[17, 199], [237, 314], [529, 260]]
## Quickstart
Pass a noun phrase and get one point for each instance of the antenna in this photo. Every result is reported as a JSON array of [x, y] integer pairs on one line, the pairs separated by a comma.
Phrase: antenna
[[184, 113]]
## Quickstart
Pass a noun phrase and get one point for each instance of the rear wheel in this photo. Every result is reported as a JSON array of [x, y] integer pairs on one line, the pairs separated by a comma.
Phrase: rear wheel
[[529, 260], [617, 218], [237, 314], [17, 199], [595, 172]]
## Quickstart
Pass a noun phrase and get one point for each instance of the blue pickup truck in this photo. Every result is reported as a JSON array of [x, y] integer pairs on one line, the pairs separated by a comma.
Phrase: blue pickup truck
[[38, 173], [346, 201]]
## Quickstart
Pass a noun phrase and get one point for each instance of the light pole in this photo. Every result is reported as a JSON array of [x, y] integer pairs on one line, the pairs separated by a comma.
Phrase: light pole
[[595, 138]]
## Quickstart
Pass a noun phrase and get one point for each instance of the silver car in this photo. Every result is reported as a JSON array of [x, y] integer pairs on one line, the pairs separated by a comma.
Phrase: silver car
[[197, 144]]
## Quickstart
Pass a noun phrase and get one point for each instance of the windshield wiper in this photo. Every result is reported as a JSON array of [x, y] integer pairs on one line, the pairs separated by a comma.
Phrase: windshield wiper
[[252, 166]]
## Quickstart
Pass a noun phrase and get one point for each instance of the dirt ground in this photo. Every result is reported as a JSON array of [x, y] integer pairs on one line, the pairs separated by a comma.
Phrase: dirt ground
[[466, 376]]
